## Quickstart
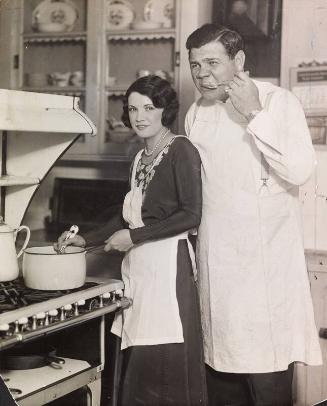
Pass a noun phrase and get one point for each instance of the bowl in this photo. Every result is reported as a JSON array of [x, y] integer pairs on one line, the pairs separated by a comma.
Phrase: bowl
[[60, 79], [51, 27], [37, 79]]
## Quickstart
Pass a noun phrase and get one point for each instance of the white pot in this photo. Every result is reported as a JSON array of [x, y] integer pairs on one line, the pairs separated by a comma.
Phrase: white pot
[[45, 269]]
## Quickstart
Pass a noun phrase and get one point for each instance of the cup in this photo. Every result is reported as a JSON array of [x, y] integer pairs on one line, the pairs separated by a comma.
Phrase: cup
[[60, 79], [143, 72], [77, 78]]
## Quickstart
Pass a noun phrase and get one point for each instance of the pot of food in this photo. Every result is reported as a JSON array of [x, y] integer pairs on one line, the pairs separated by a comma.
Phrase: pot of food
[[46, 269], [25, 358]]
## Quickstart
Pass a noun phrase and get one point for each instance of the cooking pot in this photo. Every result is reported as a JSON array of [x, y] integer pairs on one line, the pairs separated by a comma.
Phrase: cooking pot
[[22, 358], [45, 269]]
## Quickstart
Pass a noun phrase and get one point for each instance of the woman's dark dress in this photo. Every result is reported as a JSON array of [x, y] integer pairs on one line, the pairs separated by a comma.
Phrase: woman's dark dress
[[170, 374]]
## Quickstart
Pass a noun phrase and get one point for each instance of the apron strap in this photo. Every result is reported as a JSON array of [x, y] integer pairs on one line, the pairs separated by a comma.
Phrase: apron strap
[[264, 163]]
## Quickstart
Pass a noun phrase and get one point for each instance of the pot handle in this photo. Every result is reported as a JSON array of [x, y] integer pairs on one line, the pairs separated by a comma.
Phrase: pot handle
[[27, 238], [55, 361]]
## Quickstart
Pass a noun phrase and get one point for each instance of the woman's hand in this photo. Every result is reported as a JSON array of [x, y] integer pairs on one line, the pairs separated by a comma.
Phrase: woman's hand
[[120, 241], [77, 241]]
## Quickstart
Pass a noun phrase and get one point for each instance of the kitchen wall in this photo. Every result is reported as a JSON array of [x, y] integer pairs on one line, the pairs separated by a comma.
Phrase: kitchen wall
[[304, 33]]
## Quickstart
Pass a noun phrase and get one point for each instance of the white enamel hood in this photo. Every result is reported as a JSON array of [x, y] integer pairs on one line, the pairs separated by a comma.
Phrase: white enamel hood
[[35, 130]]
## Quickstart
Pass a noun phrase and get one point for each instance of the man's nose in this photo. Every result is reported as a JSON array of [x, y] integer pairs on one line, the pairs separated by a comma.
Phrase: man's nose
[[203, 72]]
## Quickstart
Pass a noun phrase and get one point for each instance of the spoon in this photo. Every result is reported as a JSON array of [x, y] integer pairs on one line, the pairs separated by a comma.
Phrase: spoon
[[71, 233]]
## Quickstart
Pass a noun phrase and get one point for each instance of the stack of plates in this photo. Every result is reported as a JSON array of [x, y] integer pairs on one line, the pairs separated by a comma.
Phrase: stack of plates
[[54, 16], [156, 14]]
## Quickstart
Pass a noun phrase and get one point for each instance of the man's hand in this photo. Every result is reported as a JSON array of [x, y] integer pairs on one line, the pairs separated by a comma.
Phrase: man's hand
[[244, 94], [120, 241]]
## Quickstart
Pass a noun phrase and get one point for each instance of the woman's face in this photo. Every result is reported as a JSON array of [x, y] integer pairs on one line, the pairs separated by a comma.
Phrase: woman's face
[[145, 119]]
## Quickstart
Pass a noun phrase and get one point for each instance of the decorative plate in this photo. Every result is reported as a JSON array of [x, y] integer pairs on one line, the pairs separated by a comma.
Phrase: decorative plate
[[55, 12], [120, 14], [161, 11]]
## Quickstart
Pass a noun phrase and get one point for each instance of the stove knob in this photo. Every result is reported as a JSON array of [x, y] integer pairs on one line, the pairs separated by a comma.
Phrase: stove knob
[[107, 295], [68, 310], [119, 293], [16, 330], [62, 313], [53, 315], [40, 317], [101, 301], [46, 320], [23, 323], [34, 324], [4, 330], [78, 304]]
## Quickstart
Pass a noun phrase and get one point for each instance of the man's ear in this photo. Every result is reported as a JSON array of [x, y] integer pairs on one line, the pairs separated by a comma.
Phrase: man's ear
[[239, 60]]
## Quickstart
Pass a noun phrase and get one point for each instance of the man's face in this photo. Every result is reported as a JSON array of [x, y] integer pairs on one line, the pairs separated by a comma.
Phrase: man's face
[[212, 69]]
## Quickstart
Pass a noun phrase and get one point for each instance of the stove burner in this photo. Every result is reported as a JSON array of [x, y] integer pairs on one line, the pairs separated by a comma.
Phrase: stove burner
[[15, 294]]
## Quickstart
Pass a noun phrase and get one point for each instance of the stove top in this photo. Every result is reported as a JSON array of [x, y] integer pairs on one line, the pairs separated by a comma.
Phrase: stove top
[[15, 294], [26, 313]]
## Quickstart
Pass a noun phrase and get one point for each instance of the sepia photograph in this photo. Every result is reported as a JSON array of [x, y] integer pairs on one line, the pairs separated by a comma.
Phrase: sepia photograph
[[163, 202]]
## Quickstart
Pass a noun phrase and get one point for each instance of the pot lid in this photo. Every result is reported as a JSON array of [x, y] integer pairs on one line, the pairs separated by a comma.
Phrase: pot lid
[[4, 228]]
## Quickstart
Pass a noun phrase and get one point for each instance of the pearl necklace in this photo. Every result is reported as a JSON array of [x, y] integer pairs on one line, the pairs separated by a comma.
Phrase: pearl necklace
[[149, 153]]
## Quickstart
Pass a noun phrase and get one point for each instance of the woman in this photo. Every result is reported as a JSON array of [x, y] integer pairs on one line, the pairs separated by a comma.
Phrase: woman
[[161, 333]]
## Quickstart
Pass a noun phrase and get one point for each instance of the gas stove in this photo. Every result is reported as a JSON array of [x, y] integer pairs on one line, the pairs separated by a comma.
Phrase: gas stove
[[26, 313], [71, 320]]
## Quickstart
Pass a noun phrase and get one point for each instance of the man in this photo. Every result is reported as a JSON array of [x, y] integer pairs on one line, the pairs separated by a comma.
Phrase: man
[[255, 298]]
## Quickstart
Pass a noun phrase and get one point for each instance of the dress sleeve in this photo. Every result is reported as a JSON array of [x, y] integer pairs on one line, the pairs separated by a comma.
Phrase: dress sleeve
[[98, 235], [281, 133], [186, 165]]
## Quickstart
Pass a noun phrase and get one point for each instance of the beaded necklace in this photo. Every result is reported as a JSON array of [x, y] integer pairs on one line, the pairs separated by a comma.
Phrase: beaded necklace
[[149, 153]]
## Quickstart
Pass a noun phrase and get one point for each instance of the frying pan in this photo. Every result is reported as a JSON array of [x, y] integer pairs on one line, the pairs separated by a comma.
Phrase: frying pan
[[22, 358]]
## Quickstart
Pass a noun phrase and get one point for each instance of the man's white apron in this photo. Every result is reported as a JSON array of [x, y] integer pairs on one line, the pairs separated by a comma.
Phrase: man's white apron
[[255, 299]]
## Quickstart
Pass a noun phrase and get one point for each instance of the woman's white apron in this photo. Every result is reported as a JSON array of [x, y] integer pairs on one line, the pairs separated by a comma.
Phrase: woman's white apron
[[149, 274]]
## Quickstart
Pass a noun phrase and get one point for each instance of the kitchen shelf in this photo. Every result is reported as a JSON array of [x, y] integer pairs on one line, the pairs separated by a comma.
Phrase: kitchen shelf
[[118, 90], [116, 35], [8, 180], [55, 37], [67, 90]]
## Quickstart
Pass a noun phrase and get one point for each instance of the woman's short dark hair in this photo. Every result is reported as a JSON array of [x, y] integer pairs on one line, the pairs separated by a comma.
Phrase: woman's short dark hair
[[160, 92], [230, 39]]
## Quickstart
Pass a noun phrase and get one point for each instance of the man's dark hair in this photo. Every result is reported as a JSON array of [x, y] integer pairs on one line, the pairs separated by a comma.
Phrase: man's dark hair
[[230, 39], [160, 92]]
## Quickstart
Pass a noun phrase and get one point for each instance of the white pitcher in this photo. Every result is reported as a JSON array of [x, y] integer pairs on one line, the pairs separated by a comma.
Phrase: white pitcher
[[8, 256]]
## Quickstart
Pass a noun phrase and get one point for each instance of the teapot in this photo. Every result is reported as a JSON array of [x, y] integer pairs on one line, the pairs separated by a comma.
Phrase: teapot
[[9, 265]]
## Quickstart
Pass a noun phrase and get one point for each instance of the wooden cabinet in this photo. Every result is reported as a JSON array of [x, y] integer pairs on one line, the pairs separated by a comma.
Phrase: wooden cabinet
[[105, 58], [310, 382]]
